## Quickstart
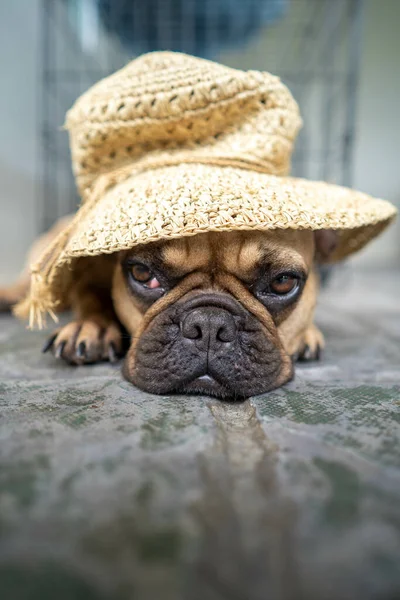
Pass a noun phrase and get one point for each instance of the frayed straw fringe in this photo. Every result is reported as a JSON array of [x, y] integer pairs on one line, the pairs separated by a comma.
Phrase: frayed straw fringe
[[37, 304]]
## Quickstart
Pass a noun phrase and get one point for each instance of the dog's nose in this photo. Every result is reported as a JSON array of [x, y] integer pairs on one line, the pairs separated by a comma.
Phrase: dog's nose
[[209, 326]]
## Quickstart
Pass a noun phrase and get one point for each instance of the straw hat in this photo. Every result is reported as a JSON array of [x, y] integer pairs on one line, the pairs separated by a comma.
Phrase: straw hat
[[173, 145]]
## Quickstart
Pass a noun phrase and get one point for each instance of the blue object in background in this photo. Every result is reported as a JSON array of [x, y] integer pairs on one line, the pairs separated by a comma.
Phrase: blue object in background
[[199, 27]]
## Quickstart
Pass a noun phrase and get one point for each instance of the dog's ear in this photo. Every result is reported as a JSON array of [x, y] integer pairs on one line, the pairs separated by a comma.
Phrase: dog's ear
[[326, 241]]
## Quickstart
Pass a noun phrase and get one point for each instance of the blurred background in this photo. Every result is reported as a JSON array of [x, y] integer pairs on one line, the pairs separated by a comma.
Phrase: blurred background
[[340, 59]]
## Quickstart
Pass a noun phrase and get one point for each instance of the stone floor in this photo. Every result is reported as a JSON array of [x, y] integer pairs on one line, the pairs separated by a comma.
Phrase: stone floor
[[110, 493]]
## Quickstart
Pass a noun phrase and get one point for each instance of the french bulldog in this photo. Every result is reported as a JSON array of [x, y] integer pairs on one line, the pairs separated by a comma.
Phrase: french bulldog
[[220, 313]]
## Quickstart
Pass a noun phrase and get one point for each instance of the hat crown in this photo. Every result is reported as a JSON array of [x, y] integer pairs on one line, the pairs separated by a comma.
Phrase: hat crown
[[173, 107]]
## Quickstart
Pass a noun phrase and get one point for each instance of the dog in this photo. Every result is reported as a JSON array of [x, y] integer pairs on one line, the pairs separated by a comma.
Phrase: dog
[[224, 314]]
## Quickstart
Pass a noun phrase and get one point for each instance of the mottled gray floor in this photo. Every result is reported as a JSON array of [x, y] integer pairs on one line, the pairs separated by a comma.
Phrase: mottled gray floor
[[107, 492]]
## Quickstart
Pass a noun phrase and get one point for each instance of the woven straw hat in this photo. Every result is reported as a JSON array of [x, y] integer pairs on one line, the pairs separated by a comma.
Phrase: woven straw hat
[[173, 145]]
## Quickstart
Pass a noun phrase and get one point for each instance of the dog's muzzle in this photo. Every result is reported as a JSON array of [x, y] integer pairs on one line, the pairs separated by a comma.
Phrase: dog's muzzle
[[208, 344]]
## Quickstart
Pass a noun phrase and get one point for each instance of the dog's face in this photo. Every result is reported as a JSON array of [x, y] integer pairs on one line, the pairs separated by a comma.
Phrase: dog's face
[[217, 313]]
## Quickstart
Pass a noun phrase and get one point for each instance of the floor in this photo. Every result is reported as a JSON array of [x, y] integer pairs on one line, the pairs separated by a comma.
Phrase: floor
[[110, 493]]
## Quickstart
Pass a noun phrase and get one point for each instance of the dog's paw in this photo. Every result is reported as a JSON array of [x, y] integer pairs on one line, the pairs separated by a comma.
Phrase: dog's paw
[[312, 345], [85, 342]]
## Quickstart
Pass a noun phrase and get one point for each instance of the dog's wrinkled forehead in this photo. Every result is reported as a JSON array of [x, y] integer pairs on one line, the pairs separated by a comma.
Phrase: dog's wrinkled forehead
[[239, 253]]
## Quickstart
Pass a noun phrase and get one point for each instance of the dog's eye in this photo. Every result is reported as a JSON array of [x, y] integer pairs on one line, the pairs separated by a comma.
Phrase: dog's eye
[[141, 273], [279, 290], [144, 275], [283, 284]]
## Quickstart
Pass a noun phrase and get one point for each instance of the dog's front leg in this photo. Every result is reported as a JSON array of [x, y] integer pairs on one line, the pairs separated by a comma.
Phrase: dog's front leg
[[94, 335]]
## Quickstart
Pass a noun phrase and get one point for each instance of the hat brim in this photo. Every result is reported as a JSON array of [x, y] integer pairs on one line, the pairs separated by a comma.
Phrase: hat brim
[[188, 199]]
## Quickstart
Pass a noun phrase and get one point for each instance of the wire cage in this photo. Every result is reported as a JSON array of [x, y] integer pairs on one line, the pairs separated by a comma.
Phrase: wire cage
[[313, 45]]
